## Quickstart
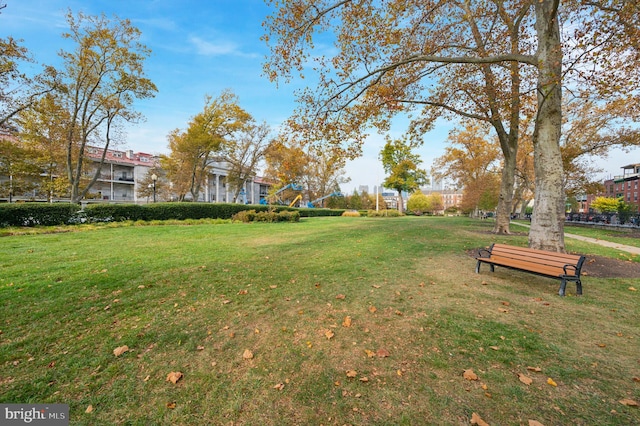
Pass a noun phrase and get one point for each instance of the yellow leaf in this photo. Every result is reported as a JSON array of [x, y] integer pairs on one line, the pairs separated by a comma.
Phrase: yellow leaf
[[629, 402], [525, 379], [372, 309], [551, 382], [476, 420], [495, 348], [470, 375], [351, 373], [247, 354], [171, 405], [120, 350], [346, 322], [329, 334], [369, 353], [279, 386], [535, 423], [89, 409], [632, 289], [174, 376]]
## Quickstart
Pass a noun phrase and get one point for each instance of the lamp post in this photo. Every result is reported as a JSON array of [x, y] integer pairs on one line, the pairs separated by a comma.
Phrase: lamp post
[[154, 178]]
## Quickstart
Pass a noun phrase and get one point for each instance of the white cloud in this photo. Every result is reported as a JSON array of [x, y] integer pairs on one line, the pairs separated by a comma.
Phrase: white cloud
[[216, 48]]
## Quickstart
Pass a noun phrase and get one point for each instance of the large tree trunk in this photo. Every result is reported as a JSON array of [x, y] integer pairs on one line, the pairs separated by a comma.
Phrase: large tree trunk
[[400, 202], [547, 225], [503, 211]]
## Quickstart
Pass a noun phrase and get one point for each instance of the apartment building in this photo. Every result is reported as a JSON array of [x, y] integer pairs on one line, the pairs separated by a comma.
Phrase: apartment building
[[123, 174], [625, 187]]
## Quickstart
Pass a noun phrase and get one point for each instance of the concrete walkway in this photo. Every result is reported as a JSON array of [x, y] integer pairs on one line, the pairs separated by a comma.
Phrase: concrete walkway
[[617, 246]]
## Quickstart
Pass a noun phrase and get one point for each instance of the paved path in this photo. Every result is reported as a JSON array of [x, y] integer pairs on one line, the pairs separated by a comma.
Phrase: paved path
[[617, 246]]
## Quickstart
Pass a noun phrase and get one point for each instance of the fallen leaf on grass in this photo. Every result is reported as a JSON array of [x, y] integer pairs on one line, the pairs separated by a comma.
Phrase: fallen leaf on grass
[[241, 292], [382, 353], [632, 289], [369, 353], [525, 379], [341, 297], [174, 377], [372, 309], [364, 379], [120, 350], [629, 402], [279, 386], [470, 375], [247, 354], [200, 348], [601, 345], [171, 405], [504, 311], [329, 334], [551, 382], [536, 369], [495, 348], [346, 322], [636, 379], [535, 423], [89, 409], [351, 373], [477, 420]]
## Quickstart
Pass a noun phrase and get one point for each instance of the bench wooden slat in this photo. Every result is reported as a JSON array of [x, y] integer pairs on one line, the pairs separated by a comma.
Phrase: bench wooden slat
[[531, 267], [562, 266]]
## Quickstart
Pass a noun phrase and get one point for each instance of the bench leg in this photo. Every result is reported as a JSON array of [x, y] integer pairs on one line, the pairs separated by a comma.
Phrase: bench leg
[[563, 287], [579, 288], [478, 267]]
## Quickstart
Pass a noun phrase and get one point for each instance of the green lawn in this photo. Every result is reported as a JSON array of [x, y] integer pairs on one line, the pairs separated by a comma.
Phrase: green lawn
[[348, 321]]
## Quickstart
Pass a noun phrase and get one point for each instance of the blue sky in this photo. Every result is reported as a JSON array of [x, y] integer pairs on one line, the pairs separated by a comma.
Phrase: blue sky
[[202, 47]]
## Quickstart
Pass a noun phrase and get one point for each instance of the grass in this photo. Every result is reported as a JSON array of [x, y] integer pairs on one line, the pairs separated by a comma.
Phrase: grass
[[193, 298]]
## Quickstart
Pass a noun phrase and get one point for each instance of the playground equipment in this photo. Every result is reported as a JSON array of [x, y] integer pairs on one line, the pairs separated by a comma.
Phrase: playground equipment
[[242, 196], [291, 186], [295, 200], [312, 204]]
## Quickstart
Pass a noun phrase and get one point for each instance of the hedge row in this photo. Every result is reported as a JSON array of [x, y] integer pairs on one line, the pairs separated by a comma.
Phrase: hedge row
[[33, 214]]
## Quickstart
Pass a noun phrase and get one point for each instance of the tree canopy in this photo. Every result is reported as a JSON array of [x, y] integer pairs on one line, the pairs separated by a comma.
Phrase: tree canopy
[[401, 166], [433, 57]]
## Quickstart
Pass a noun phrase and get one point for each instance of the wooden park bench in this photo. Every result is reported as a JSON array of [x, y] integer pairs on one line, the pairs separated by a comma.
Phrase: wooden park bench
[[562, 266]]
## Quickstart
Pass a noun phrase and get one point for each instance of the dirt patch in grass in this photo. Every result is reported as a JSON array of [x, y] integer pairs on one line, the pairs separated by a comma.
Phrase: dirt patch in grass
[[600, 267]]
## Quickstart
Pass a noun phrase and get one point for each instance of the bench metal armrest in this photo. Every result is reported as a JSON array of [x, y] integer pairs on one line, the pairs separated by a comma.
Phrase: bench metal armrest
[[566, 267], [484, 251]]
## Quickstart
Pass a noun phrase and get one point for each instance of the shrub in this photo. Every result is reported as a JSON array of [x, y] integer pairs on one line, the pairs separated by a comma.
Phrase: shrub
[[267, 216], [351, 213], [384, 213], [34, 214]]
